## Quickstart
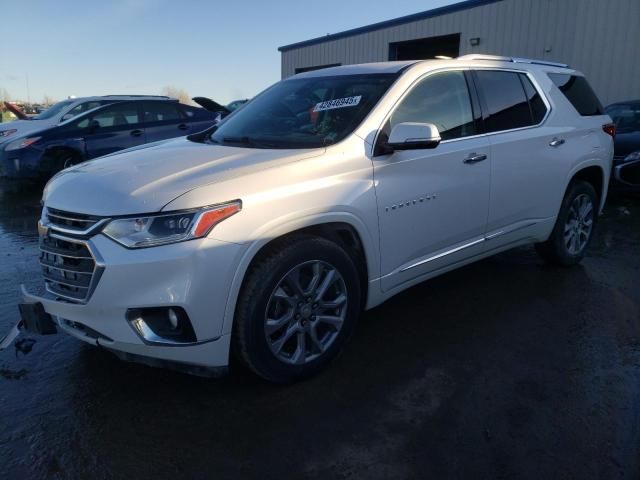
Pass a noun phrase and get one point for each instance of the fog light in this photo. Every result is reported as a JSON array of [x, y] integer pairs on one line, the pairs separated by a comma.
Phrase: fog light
[[162, 325], [173, 318]]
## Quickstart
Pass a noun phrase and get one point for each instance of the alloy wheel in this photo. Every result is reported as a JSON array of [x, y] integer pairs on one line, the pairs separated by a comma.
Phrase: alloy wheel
[[579, 224], [306, 312]]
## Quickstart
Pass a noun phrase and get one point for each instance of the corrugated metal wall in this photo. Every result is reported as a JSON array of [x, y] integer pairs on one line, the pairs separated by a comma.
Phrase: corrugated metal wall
[[600, 38]]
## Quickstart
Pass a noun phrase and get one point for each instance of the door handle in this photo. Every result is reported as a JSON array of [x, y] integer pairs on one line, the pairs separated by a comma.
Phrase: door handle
[[475, 158], [136, 133], [183, 126], [556, 142]]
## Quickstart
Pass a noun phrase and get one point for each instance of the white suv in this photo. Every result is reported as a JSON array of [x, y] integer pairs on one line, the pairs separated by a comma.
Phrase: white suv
[[325, 195]]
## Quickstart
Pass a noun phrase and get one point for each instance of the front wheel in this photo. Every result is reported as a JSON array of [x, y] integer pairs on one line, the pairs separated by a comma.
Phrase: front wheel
[[574, 226], [297, 307]]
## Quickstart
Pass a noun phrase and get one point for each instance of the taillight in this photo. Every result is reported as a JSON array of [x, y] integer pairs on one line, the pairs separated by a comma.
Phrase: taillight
[[610, 129]]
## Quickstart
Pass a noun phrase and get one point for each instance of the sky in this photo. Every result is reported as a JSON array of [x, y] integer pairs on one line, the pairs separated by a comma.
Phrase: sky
[[223, 50]]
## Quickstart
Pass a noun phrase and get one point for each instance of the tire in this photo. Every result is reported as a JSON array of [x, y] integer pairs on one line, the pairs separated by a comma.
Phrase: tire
[[278, 333], [54, 161], [574, 226]]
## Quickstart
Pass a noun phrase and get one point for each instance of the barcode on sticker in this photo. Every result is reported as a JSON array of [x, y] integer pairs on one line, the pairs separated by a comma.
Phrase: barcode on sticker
[[338, 103]]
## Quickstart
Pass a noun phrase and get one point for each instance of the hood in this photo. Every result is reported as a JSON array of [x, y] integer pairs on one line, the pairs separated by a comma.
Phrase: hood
[[210, 105], [23, 127], [144, 180]]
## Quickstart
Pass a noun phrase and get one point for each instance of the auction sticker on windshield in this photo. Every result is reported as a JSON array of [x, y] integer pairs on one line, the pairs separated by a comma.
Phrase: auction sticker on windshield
[[338, 103]]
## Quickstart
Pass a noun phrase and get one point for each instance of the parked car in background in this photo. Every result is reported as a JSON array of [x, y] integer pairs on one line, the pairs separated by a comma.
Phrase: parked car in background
[[327, 194], [60, 112], [88, 130], [236, 104], [626, 160]]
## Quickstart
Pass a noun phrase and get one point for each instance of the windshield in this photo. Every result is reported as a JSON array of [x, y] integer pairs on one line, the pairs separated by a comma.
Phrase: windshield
[[304, 113], [626, 117], [53, 110]]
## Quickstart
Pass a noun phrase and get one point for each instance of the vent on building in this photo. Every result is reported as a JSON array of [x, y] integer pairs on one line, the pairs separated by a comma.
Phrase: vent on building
[[426, 48], [316, 67]]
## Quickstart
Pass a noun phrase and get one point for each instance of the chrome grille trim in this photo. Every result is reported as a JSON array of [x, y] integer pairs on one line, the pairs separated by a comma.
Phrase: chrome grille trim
[[70, 273], [73, 223]]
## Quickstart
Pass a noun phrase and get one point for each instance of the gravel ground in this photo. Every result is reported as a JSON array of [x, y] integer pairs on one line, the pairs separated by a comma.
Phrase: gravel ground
[[507, 368]]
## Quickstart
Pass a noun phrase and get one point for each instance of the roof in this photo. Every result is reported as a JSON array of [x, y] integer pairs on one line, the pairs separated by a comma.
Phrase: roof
[[378, 67], [121, 97], [435, 12], [465, 60]]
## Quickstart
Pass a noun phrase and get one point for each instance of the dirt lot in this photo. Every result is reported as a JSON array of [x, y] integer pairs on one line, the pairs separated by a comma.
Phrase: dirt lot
[[505, 369]]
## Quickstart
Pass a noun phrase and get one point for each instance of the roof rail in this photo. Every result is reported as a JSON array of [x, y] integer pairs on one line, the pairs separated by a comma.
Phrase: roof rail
[[497, 58], [136, 96]]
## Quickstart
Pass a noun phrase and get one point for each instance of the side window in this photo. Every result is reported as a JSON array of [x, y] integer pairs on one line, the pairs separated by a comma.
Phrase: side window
[[118, 115], [579, 93], [161, 112], [442, 99], [83, 107], [538, 108], [505, 99], [194, 113]]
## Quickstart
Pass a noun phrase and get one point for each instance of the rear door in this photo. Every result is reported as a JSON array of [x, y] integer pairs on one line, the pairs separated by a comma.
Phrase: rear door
[[113, 128], [526, 170], [163, 120], [200, 119]]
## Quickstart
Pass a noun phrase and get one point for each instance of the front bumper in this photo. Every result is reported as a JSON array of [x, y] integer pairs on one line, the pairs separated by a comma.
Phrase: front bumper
[[20, 164], [195, 275], [627, 174]]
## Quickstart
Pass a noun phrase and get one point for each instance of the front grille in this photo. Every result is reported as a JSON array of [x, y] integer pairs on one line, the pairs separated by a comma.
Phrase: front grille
[[68, 221], [68, 267]]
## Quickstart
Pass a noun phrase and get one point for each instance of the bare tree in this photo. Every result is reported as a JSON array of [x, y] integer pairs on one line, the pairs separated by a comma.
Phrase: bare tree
[[179, 93]]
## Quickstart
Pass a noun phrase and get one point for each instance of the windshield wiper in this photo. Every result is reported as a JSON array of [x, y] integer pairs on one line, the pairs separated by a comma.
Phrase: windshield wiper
[[241, 140], [249, 142]]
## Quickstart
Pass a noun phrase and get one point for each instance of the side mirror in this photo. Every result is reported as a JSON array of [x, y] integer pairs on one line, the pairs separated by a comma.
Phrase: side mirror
[[414, 136], [66, 116]]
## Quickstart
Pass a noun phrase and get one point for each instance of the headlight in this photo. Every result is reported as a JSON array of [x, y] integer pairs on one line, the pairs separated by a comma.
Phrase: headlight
[[632, 156], [21, 143], [161, 229], [6, 133]]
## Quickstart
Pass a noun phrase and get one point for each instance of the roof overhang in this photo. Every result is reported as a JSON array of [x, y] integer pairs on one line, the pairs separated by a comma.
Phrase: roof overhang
[[390, 23]]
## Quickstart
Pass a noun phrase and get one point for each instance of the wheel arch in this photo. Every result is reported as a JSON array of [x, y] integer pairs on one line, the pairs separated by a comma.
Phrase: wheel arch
[[593, 173], [53, 153], [345, 229]]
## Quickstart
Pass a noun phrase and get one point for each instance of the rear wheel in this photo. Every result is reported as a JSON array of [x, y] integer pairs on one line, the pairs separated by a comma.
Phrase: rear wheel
[[574, 226], [298, 306]]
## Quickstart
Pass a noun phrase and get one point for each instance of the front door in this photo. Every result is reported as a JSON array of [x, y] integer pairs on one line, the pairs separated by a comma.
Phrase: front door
[[432, 204], [113, 128]]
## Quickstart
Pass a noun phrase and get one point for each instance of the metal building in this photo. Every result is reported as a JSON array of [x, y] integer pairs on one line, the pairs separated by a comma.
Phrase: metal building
[[599, 38]]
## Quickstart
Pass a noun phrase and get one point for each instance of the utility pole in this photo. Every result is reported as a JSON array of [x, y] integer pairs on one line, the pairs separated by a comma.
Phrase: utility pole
[[26, 76]]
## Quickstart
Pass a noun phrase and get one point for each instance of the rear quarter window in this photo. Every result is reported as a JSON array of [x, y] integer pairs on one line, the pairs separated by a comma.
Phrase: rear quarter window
[[578, 91]]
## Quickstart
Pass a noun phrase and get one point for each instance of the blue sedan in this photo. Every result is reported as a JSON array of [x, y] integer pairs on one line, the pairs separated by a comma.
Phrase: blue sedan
[[106, 129]]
